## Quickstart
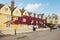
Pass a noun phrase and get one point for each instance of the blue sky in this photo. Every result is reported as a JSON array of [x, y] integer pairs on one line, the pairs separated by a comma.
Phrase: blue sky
[[37, 6]]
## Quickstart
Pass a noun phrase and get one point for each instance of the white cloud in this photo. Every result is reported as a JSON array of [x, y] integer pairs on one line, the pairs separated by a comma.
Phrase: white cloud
[[33, 7]]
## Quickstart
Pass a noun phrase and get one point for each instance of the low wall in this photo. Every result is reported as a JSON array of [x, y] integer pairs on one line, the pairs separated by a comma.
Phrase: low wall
[[12, 31]]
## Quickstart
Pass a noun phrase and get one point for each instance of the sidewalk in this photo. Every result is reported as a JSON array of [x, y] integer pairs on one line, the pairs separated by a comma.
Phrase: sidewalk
[[40, 29], [18, 31]]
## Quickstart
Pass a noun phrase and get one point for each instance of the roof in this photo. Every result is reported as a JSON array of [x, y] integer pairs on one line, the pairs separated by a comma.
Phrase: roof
[[12, 10], [1, 5], [22, 10], [10, 22], [30, 13]]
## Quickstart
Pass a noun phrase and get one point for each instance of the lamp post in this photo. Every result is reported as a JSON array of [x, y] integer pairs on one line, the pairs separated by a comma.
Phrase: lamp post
[[15, 30]]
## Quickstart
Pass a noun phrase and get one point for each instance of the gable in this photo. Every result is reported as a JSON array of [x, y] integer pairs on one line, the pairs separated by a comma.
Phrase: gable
[[5, 10], [16, 12], [44, 17], [32, 15], [26, 13]]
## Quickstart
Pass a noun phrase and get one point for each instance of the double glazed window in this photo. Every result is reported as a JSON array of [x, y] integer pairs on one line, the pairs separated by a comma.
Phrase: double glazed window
[[8, 17], [6, 9], [7, 25], [17, 11], [24, 20], [31, 21]]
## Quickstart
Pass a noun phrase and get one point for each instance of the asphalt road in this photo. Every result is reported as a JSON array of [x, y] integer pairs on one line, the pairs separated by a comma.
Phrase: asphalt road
[[39, 35]]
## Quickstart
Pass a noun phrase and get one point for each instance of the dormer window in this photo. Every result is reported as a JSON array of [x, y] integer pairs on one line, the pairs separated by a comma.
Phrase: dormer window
[[6, 9], [32, 15], [39, 16], [36, 16], [24, 20], [17, 12], [25, 14]]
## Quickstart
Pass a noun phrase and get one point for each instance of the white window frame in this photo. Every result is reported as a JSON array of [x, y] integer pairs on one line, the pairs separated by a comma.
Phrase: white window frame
[[31, 21], [32, 15], [36, 16], [24, 20], [17, 11], [7, 25], [5, 9], [8, 17], [16, 18], [36, 21]]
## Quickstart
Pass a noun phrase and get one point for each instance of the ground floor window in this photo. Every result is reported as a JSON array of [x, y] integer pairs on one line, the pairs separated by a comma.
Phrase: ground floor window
[[7, 25]]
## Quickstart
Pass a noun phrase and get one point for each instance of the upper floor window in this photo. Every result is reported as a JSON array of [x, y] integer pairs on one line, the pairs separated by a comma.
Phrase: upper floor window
[[56, 21], [44, 21], [6, 9], [17, 11], [8, 17], [44, 17], [25, 13], [56, 18], [50, 21], [36, 21], [24, 20], [31, 21]]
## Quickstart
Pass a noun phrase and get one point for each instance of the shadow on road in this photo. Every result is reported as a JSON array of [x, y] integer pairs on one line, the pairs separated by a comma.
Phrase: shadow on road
[[5, 35], [21, 37]]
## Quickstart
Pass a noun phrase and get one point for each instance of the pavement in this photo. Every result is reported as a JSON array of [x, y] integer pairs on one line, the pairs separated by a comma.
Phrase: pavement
[[12, 32], [40, 29], [35, 35]]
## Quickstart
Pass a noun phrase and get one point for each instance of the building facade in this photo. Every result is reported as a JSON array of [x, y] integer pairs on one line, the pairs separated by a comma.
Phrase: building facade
[[52, 19], [20, 20]]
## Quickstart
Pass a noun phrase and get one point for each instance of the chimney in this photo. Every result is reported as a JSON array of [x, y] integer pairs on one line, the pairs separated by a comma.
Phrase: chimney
[[30, 13], [38, 15], [22, 10], [12, 7], [42, 16], [12, 4], [34, 14]]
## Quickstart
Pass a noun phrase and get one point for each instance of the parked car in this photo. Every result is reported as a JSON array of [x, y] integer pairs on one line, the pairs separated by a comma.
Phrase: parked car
[[58, 26], [54, 26]]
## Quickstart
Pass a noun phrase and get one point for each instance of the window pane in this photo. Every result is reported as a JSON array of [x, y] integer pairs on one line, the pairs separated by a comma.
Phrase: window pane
[[7, 25], [8, 17], [6, 9], [17, 12], [24, 20]]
